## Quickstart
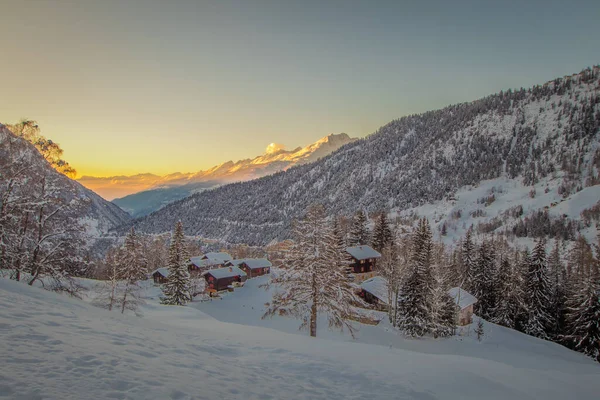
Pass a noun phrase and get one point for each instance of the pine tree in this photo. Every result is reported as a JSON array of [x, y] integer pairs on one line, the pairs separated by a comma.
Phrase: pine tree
[[338, 235], [382, 233], [483, 281], [314, 281], [522, 264], [177, 288], [359, 232], [538, 294], [509, 302], [416, 302], [583, 319], [468, 259], [479, 331], [556, 275]]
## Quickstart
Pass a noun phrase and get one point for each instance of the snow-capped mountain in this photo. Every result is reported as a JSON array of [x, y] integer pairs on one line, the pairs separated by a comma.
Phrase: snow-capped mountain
[[158, 191], [544, 138], [79, 203]]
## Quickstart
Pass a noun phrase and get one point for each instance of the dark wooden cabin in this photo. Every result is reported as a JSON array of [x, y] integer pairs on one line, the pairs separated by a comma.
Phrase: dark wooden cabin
[[363, 258], [197, 265], [160, 276], [375, 291], [254, 267], [221, 278]]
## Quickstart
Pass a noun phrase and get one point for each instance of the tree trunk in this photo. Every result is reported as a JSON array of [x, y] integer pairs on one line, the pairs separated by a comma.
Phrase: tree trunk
[[313, 308], [124, 298]]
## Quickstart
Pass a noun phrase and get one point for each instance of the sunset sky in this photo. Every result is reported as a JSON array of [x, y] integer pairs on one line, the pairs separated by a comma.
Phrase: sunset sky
[[162, 86]]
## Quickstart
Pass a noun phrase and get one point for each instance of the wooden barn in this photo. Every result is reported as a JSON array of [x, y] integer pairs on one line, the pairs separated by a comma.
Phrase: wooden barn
[[363, 262], [254, 267], [199, 264], [464, 302], [161, 275], [375, 291], [221, 278]]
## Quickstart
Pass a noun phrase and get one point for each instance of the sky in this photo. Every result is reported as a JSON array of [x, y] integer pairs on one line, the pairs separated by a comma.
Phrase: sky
[[134, 86]]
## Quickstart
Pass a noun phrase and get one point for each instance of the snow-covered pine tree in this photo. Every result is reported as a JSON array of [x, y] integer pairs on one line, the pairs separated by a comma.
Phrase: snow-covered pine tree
[[177, 287], [468, 255], [556, 276], [382, 232], [338, 235], [444, 311], [479, 331], [583, 318], [538, 293], [483, 281], [417, 292], [509, 289], [521, 265], [313, 281], [359, 232]]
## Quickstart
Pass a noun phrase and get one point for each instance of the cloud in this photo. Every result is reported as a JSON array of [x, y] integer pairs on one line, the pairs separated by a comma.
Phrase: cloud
[[274, 148]]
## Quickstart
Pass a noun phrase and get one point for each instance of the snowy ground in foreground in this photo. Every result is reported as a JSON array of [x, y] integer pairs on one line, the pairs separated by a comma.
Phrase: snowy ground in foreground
[[58, 348]]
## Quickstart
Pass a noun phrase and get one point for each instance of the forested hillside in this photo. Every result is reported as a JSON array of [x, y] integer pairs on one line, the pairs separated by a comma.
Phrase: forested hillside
[[546, 133]]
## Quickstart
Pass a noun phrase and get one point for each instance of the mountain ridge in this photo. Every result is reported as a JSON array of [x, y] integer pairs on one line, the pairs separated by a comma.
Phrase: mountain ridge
[[176, 186], [228, 171]]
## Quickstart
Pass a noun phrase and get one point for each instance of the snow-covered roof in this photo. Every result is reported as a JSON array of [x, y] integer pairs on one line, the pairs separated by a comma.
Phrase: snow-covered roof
[[202, 261], [226, 272], [222, 257], [461, 297], [163, 271], [378, 287], [236, 262], [257, 263], [363, 252]]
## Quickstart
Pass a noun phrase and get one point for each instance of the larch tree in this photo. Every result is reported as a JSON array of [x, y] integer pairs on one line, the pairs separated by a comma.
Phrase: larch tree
[[313, 281], [108, 291], [382, 232], [359, 231], [132, 265], [177, 288], [391, 269]]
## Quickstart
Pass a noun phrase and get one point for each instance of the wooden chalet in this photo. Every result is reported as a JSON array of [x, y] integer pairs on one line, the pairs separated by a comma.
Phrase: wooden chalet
[[199, 264], [222, 278], [363, 262], [375, 291], [254, 267], [464, 302], [161, 275]]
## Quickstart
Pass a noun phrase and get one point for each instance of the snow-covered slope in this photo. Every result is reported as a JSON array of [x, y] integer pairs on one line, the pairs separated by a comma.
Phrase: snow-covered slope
[[548, 133], [98, 215], [53, 347]]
